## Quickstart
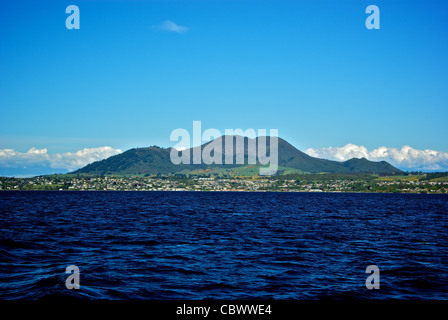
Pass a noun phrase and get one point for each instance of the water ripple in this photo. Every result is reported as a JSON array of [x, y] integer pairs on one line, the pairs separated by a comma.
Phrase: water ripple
[[191, 245]]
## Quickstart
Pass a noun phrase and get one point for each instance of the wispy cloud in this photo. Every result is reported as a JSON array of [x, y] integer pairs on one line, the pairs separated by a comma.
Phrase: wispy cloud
[[171, 26], [406, 158], [9, 158]]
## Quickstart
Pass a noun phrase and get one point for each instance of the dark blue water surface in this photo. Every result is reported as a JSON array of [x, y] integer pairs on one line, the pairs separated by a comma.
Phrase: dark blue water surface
[[223, 245]]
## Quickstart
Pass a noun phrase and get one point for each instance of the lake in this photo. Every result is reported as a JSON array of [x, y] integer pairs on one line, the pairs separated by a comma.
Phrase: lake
[[223, 245]]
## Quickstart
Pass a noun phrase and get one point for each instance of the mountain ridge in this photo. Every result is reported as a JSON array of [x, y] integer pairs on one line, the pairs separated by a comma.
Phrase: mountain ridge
[[156, 160]]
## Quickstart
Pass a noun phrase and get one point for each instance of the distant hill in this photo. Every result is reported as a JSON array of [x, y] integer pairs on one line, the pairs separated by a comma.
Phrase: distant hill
[[156, 161]]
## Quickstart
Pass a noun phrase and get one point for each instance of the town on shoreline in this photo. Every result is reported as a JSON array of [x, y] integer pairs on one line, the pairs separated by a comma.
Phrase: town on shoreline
[[408, 183]]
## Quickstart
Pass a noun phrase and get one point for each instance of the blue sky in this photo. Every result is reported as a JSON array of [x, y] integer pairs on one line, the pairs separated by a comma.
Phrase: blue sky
[[310, 69]]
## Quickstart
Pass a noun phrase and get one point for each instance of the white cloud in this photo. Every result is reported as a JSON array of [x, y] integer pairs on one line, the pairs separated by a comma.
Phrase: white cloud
[[406, 158], [40, 158], [171, 26]]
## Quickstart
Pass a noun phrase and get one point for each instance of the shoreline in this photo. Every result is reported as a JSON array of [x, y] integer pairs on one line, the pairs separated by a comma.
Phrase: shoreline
[[240, 191], [325, 183]]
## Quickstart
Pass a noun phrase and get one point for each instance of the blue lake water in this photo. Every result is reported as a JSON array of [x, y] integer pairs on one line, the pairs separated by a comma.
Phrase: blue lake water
[[223, 245]]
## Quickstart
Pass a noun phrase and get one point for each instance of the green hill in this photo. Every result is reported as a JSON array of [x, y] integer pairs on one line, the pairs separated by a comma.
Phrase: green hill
[[156, 161]]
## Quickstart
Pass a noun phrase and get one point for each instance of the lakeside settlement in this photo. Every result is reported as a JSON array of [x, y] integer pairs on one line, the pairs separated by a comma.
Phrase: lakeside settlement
[[297, 183]]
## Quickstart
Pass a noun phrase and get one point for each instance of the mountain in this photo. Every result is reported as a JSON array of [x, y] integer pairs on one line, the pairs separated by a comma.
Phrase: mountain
[[156, 161]]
